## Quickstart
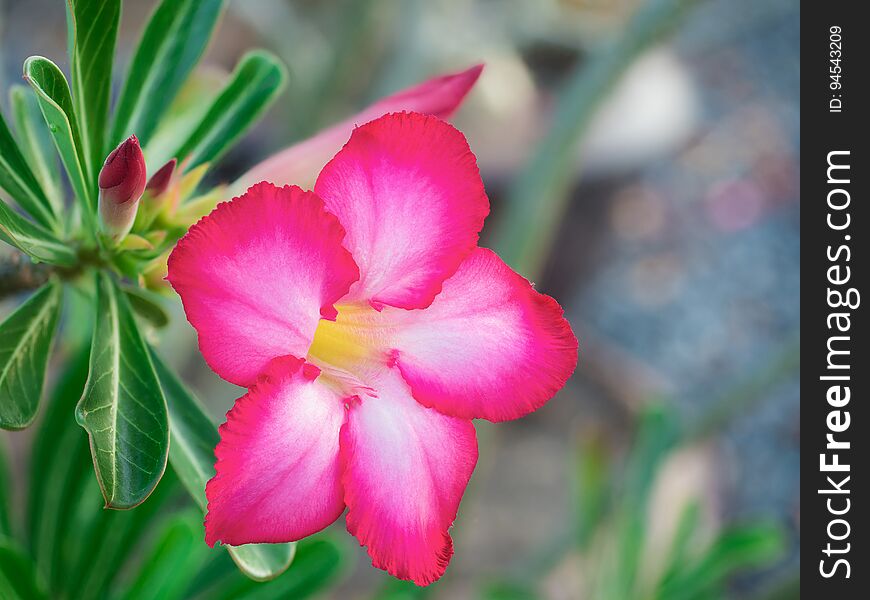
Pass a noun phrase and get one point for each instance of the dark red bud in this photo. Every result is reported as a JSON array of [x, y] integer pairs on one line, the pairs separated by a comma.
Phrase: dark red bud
[[122, 181], [122, 178], [160, 180]]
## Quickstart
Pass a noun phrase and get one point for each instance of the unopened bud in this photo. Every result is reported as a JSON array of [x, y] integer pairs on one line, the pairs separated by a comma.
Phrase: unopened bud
[[122, 181], [160, 180]]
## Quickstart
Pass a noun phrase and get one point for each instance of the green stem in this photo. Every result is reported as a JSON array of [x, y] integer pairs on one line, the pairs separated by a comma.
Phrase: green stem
[[19, 274], [538, 198]]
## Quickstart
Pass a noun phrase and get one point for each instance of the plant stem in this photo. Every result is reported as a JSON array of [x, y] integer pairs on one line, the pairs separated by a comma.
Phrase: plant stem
[[538, 197], [19, 274]]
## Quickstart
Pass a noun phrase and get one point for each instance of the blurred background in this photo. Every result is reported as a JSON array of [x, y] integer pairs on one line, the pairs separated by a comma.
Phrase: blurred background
[[641, 157]]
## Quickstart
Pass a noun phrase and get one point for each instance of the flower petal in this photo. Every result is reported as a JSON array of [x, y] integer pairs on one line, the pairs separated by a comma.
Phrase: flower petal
[[278, 477], [407, 189], [405, 468], [489, 347], [299, 164], [257, 274]]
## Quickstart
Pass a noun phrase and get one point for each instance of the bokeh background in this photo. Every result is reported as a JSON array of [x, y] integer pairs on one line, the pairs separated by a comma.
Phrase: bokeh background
[[641, 157]]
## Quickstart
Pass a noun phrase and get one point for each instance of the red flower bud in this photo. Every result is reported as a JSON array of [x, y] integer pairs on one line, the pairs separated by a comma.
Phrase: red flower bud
[[122, 181], [160, 180]]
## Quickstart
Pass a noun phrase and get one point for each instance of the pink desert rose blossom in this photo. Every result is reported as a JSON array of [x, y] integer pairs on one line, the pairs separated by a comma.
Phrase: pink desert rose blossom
[[370, 329], [300, 163]]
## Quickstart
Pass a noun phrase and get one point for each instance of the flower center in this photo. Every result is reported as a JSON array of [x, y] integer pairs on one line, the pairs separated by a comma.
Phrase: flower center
[[346, 342]]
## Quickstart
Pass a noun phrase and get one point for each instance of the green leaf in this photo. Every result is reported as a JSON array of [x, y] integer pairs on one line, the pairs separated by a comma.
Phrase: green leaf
[[184, 114], [173, 561], [538, 197], [32, 239], [263, 562], [59, 467], [736, 549], [656, 436], [113, 535], [18, 576], [593, 489], [55, 102], [36, 144], [5, 488], [19, 182], [25, 345], [95, 28], [171, 45], [317, 564], [147, 305], [255, 83], [508, 590], [194, 437], [123, 409]]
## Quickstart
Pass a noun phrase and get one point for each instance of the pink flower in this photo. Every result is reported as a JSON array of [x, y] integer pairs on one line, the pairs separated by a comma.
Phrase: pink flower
[[370, 330], [299, 164]]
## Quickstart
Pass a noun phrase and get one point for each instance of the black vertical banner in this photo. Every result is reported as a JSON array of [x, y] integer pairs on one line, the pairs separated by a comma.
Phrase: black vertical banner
[[834, 262]]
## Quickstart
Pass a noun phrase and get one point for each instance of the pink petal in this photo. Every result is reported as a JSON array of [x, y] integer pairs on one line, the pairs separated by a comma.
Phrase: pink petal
[[489, 346], [407, 189], [299, 164], [257, 274], [278, 474], [405, 468]]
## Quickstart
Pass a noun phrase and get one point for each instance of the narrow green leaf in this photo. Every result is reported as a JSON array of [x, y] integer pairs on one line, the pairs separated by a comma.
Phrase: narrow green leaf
[[113, 535], [255, 83], [32, 239], [537, 199], [19, 182], [736, 549], [171, 45], [172, 562], [95, 29], [36, 144], [5, 489], [194, 437], [55, 102], [123, 409], [656, 436], [184, 114], [25, 345], [18, 576], [59, 467], [147, 305]]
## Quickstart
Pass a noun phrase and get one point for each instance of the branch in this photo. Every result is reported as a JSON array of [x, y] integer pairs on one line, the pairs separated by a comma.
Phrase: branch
[[18, 274]]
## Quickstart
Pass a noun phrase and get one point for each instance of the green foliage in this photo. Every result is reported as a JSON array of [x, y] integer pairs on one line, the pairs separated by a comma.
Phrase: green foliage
[[258, 78], [58, 110], [19, 182], [5, 488], [18, 578], [35, 241], [147, 305], [172, 562], [538, 198], [36, 145], [74, 549], [95, 27], [123, 409], [25, 343], [171, 45]]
